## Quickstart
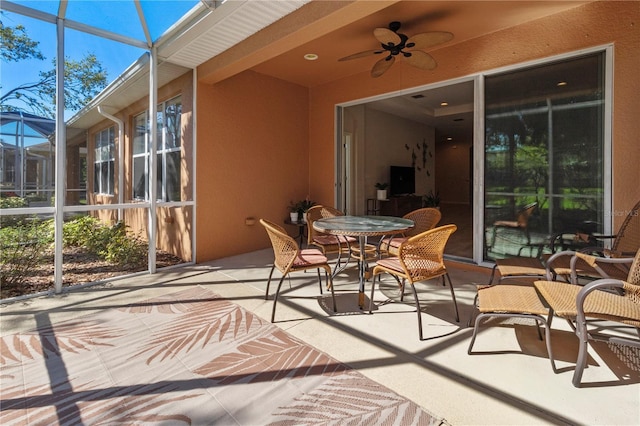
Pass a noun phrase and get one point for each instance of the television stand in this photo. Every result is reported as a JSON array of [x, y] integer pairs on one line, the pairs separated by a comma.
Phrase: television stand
[[400, 205]]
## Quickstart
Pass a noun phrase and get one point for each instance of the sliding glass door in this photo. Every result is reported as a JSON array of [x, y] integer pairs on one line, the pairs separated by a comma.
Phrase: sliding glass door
[[544, 147]]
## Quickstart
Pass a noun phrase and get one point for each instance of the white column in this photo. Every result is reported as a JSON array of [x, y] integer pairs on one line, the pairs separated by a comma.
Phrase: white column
[[153, 160], [60, 168]]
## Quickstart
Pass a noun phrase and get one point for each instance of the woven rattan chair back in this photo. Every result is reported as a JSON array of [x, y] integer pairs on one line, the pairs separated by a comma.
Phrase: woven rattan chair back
[[422, 256], [619, 302], [288, 257], [627, 239], [521, 223], [285, 248], [315, 213], [525, 213], [632, 286], [424, 219], [327, 243]]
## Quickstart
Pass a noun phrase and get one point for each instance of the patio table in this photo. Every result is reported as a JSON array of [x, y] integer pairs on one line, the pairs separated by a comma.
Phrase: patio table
[[362, 227]]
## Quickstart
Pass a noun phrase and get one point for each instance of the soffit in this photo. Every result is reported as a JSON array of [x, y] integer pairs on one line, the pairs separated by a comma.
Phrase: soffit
[[185, 46], [465, 19]]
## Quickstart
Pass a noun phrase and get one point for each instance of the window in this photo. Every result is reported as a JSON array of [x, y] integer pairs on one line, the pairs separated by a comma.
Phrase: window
[[104, 162], [168, 151], [545, 143]]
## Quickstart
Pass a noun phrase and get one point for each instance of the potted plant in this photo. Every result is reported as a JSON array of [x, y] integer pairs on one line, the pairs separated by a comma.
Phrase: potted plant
[[431, 199], [382, 190], [298, 209], [294, 211]]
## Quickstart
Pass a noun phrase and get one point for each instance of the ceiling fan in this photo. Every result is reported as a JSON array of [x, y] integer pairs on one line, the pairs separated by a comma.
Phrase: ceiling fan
[[394, 43]]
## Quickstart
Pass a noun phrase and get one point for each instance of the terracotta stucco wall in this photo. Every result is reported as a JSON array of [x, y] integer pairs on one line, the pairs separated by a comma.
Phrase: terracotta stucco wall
[[252, 160], [174, 224], [594, 24], [263, 142]]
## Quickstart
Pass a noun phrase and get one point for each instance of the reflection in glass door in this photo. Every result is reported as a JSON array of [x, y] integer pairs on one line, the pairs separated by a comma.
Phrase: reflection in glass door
[[544, 146]]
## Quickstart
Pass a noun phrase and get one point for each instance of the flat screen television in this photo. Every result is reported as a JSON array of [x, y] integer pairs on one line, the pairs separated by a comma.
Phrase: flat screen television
[[402, 180]]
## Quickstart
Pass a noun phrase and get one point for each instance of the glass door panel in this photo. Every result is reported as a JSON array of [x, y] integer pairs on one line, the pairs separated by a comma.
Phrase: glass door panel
[[544, 144]]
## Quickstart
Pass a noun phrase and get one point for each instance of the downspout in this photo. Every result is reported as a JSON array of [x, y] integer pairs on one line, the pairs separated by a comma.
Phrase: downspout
[[120, 124]]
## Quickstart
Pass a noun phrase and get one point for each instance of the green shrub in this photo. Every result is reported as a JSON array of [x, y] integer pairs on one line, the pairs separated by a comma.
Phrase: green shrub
[[78, 232], [22, 248], [124, 249], [12, 202], [111, 243]]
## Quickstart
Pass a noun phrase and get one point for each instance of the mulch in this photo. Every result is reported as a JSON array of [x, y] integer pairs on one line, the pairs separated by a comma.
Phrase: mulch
[[79, 267]]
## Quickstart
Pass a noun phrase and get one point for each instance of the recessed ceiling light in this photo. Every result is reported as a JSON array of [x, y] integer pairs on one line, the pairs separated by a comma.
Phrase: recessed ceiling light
[[311, 56], [449, 138], [444, 103], [561, 83]]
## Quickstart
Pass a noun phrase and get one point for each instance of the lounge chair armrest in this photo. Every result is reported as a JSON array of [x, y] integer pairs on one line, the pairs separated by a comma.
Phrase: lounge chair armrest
[[602, 284], [553, 258]]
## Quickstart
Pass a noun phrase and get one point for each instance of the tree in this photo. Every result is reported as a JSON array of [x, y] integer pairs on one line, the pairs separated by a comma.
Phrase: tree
[[84, 79]]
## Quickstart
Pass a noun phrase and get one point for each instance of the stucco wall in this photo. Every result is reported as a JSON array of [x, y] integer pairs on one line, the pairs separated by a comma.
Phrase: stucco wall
[[253, 159], [174, 228], [594, 24], [263, 142]]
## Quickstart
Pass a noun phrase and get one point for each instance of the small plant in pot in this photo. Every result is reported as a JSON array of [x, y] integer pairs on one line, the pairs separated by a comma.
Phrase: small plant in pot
[[382, 190], [298, 209], [431, 199], [294, 209]]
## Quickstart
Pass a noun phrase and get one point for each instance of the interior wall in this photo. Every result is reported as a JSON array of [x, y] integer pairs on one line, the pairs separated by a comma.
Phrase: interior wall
[[252, 160], [394, 141], [453, 172]]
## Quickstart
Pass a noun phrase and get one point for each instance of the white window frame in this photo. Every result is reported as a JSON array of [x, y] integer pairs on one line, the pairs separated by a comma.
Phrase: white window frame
[[163, 150], [104, 149]]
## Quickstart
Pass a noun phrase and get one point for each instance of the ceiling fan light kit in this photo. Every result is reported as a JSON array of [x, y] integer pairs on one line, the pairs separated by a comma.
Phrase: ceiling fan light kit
[[395, 44]]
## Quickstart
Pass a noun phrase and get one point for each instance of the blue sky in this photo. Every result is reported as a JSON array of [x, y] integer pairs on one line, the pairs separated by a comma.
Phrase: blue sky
[[119, 16]]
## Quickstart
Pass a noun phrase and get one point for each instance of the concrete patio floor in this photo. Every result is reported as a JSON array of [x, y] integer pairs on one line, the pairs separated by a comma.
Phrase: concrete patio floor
[[509, 382]]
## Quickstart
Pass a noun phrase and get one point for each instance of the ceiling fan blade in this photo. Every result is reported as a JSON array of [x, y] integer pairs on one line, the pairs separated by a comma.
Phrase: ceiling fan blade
[[361, 55], [382, 66], [386, 36], [426, 40], [422, 60]]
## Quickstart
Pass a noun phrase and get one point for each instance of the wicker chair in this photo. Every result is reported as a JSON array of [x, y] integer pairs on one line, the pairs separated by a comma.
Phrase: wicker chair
[[327, 243], [420, 258], [519, 301], [289, 258], [521, 223], [424, 219], [609, 263], [611, 300]]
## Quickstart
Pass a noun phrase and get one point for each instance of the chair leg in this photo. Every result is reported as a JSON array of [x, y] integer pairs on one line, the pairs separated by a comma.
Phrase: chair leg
[[275, 299], [333, 295], [493, 273], [266, 294], [581, 363], [319, 279], [475, 332], [453, 296], [373, 287], [538, 319], [415, 295]]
